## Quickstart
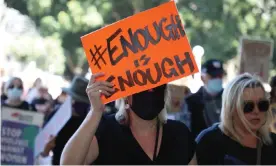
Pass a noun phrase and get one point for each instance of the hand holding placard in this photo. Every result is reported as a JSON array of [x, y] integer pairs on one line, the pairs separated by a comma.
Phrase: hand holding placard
[[94, 89], [141, 52]]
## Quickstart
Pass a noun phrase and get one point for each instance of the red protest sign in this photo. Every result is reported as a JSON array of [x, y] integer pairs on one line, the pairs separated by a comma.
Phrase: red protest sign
[[141, 52]]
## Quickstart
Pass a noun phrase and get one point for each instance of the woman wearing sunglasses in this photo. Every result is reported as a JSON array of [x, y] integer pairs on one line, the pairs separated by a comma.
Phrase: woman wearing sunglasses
[[243, 135], [14, 91]]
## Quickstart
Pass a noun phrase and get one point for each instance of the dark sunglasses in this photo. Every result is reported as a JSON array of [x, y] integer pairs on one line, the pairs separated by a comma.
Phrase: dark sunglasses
[[12, 86], [263, 106]]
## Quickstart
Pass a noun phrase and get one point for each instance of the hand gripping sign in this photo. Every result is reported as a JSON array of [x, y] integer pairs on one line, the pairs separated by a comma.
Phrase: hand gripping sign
[[141, 52]]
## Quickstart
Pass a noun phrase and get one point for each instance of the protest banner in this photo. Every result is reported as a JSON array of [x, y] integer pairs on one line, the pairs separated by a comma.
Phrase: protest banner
[[255, 56], [141, 52], [18, 131], [53, 127]]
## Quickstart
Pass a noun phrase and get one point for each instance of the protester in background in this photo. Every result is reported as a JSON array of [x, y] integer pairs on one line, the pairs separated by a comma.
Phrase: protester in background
[[202, 109], [80, 108], [14, 91], [33, 92], [3, 95], [138, 134], [43, 101], [273, 90], [175, 96], [56, 105], [242, 137], [60, 100], [273, 103]]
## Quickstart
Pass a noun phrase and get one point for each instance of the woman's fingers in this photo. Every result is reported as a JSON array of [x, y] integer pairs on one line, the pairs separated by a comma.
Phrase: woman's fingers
[[109, 84], [92, 86], [105, 93], [96, 87], [101, 89], [94, 76], [103, 86]]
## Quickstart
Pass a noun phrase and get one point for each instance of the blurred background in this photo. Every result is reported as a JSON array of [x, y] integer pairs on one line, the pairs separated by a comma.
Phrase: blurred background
[[41, 38]]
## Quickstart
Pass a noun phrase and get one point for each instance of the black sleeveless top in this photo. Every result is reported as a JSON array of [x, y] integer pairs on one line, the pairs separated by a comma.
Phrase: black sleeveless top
[[118, 146]]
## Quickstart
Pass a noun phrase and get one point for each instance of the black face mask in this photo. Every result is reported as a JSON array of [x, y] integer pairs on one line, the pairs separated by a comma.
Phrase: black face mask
[[148, 104], [81, 108]]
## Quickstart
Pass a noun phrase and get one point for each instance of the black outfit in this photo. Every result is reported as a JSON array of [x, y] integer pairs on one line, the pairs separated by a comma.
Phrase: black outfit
[[57, 104], [3, 97], [216, 148], [118, 146], [111, 108], [38, 101], [196, 105], [23, 106], [49, 116], [64, 135]]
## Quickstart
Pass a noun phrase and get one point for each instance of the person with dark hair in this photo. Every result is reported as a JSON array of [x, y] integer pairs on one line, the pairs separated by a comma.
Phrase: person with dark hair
[[60, 100], [202, 109], [14, 92], [33, 91], [80, 108], [3, 95], [57, 103], [273, 90], [43, 101], [139, 133], [273, 102]]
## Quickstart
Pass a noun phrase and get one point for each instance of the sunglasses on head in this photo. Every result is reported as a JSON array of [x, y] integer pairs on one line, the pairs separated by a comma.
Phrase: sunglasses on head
[[263, 106]]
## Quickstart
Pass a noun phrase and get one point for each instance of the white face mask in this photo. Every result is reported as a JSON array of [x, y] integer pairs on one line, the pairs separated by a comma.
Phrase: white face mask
[[214, 86], [14, 94]]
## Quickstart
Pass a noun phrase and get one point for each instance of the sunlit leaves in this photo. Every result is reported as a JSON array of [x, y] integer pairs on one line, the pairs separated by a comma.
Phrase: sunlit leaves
[[45, 51], [64, 20], [216, 25], [48, 25], [250, 20], [39, 7], [92, 18]]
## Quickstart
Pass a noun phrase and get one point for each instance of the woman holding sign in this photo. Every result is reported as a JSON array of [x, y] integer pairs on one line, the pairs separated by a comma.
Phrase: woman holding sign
[[138, 134]]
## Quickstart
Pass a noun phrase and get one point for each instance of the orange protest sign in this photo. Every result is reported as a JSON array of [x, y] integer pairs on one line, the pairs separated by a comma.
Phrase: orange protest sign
[[141, 52]]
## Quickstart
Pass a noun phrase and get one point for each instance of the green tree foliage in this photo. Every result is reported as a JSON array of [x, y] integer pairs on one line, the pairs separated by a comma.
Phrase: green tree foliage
[[216, 25]]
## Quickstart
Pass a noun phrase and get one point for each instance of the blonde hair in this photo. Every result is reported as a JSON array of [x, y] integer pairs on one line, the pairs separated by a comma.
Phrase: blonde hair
[[232, 99], [122, 116]]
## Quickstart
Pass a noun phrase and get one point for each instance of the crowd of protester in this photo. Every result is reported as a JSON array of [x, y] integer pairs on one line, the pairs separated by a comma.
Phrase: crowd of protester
[[235, 125]]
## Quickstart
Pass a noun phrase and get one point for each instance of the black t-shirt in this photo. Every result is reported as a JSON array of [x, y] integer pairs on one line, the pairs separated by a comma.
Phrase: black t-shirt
[[3, 97], [37, 101], [118, 146], [64, 135], [23, 106], [216, 148]]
